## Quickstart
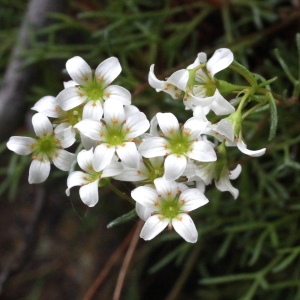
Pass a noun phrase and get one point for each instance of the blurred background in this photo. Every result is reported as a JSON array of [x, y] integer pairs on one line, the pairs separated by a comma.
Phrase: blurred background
[[54, 247]]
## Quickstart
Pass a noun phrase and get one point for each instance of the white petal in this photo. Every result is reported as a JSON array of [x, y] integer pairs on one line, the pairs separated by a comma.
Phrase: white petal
[[254, 153], [168, 123], [220, 60], [69, 83], [143, 212], [200, 113], [234, 174], [202, 151], [131, 174], [93, 110], [174, 166], [90, 128], [39, 171], [85, 159], [154, 82], [89, 193], [108, 70], [113, 112], [70, 98], [166, 188], [47, 106], [201, 58], [185, 227], [199, 100], [136, 124], [63, 159], [146, 196], [87, 142], [153, 147], [220, 106], [116, 92], [195, 126], [224, 127], [66, 136], [102, 156], [76, 178], [113, 169], [79, 70], [179, 79], [41, 125], [223, 184], [21, 145], [153, 226], [193, 199], [128, 154]]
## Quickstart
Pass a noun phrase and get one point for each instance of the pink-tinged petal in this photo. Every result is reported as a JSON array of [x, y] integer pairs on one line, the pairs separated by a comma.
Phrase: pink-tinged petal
[[220, 106], [41, 125], [47, 106], [179, 79], [152, 147], [102, 156], [185, 227], [143, 212], [70, 98], [21, 145], [192, 199], [63, 159], [224, 184], [153, 226], [118, 93], [220, 60], [66, 136], [166, 188], [146, 196], [174, 166], [224, 127], [254, 153], [89, 193], [195, 127], [128, 154], [202, 151], [113, 169], [113, 112], [76, 178], [93, 110], [168, 123], [108, 70], [79, 70], [85, 160], [235, 173], [39, 170], [136, 124], [201, 58], [90, 128]]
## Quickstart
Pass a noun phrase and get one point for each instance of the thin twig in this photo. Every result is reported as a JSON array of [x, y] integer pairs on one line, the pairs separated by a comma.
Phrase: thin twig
[[110, 263], [127, 260]]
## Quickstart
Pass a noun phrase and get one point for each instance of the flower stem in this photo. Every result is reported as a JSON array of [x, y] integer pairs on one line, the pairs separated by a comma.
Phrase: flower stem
[[119, 193]]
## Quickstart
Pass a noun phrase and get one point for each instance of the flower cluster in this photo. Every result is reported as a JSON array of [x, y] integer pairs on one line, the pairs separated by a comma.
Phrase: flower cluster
[[171, 164]]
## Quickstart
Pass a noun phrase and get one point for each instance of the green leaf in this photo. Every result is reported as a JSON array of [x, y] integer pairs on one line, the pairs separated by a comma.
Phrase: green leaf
[[123, 219], [274, 119]]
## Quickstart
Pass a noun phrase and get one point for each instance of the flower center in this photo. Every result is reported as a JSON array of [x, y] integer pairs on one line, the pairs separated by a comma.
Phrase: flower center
[[180, 144], [74, 115], [170, 207], [115, 136], [46, 145], [94, 91]]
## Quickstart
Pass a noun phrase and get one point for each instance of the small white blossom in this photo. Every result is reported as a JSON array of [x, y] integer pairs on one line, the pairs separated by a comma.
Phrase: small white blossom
[[169, 206], [92, 88], [90, 179], [177, 144], [47, 148]]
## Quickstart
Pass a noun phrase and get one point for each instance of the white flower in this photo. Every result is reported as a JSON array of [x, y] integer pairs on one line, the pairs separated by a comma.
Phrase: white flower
[[115, 133], [224, 131], [198, 83], [47, 148], [178, 144], [92, 88], [169, 206], [90, 179]]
